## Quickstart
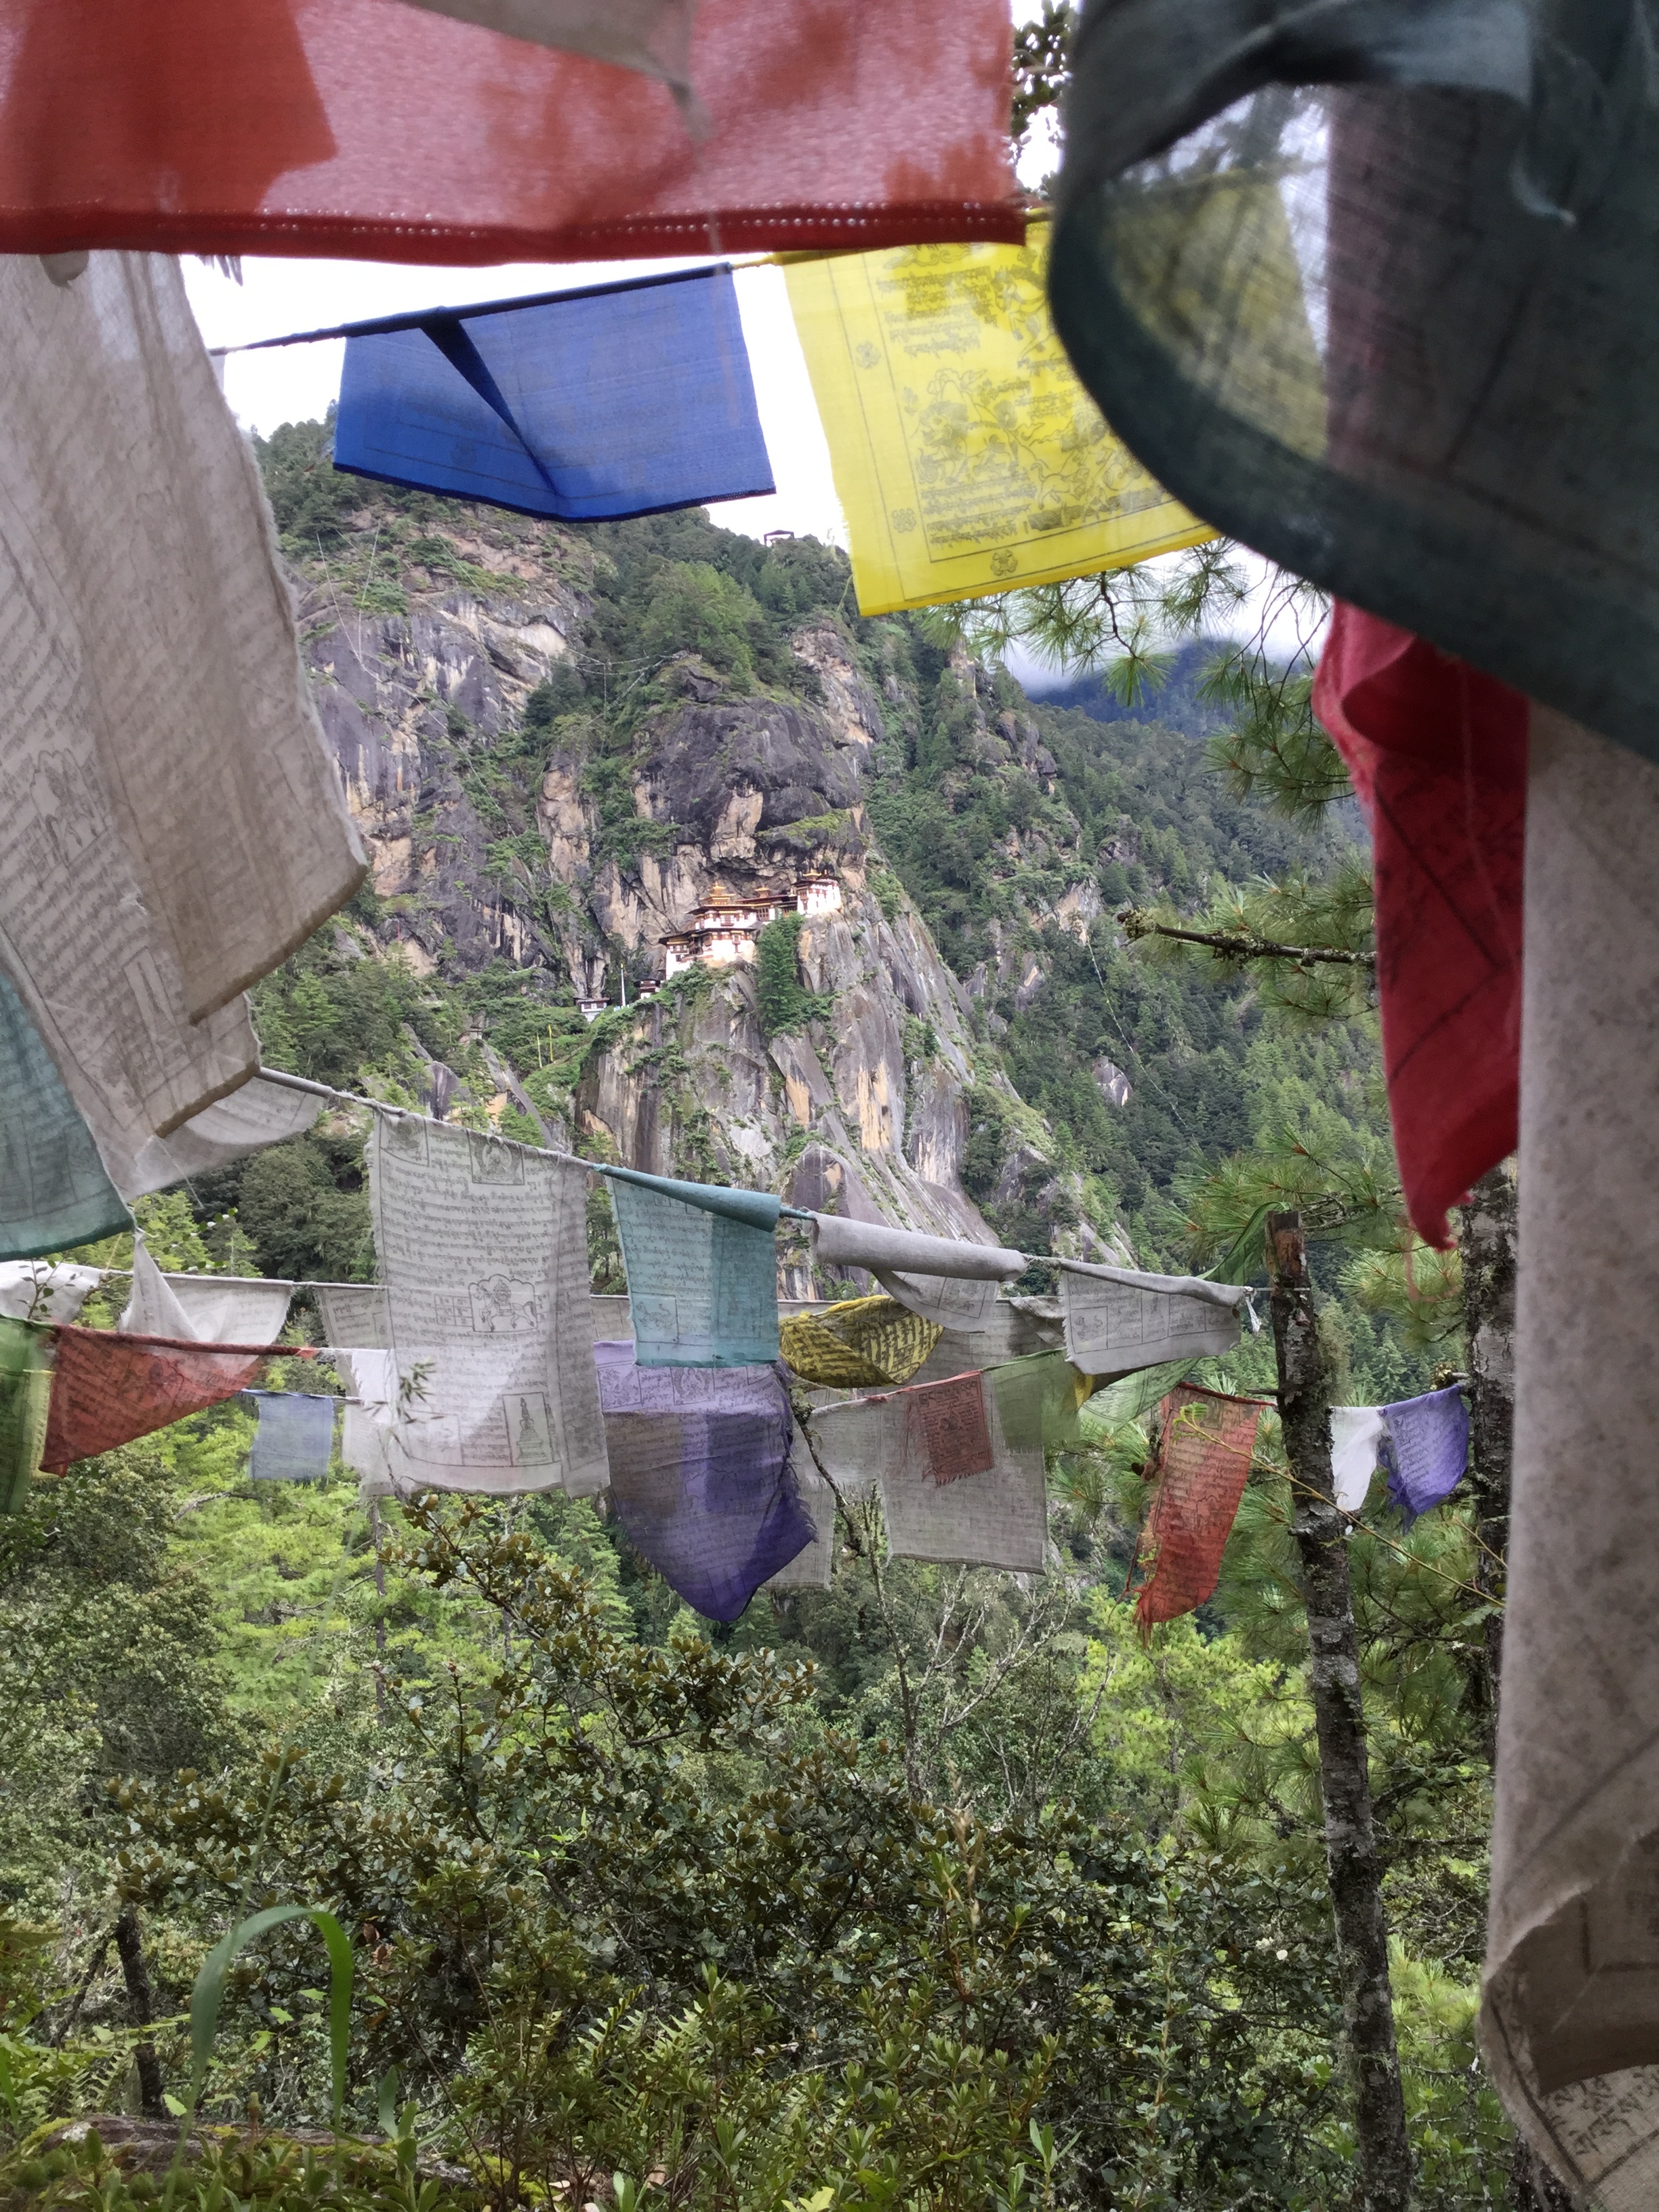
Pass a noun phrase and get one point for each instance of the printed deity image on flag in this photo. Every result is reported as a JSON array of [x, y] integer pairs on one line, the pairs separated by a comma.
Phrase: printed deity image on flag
[[967, 455]]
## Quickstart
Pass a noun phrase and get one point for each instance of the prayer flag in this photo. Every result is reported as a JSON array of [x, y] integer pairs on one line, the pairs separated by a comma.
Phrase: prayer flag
[[859, 1344], [1117, 1320], [950, 1282], [354, 1314], [967, 457], [1425, 1449], [1437, 753], [701, 1476], [653, 36], [857, 1442], [210, 1309], [484, 1247], [1204, 1454], [178, 824], [109, 1390], [26, 1353], [702, 1285], [366, 1418], [32, 1290], [294, 1440], [812, 1568], [54, 1192], [1357, 1435], [277, 126], [959, 1490], [625, 399], [258, 1114]]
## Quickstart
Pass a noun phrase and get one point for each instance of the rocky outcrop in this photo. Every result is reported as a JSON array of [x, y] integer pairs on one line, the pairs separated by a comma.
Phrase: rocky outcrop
[[570, 847]]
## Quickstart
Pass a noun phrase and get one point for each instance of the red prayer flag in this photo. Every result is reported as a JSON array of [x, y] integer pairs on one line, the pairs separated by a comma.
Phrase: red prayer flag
[[110, 1388], [949, 1426], [367, 129], [1437, 753], [1205, 1447]]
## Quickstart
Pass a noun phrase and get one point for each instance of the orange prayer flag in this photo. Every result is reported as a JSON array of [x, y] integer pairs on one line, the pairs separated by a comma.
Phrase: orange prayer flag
[[1205, 1443]]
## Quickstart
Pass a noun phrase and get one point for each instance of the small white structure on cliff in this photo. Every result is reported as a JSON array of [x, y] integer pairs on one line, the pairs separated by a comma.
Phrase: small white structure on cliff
[[722, 932]]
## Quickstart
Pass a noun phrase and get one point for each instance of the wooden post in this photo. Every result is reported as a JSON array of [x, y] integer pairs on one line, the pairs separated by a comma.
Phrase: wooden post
[[129, 1945], [1351, 1856]]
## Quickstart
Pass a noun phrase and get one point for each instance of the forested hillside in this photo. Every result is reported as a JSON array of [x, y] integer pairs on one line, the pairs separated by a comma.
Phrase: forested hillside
[[936, 1889]]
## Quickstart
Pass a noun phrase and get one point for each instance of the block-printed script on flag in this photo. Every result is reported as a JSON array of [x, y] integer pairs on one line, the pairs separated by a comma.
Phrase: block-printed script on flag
[[955, 1302], [948, 1424], [1114, 1328], [483, 1249]]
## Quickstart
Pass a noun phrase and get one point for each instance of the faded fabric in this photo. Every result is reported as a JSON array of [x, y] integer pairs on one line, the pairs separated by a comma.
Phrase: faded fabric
[[365, 1418], [958, 1490], [25, 1361], [700, 1475], [1357, 1435], [858, 1442], [1118, 1319], [356, 128], [1425, 1449], [860, 1344], [838, 1242], [1366, 285], [947, 1428], [702, 1285], [258, 1114], [294, 1439], [1134, 1397], [212, 1309], [967, 459], [484, 1247], [626, 399], [652, 36], [956, 1302], [54, 1192], [40, 1291], [813, 1567], [1571, 2017], [179, 826], [110, 1388], [1206, 1443], [353, 1314], [1437, 753], [1014, 1329]]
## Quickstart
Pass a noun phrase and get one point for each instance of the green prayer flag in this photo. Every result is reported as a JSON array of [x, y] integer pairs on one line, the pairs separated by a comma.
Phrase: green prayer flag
[[25, 1401]]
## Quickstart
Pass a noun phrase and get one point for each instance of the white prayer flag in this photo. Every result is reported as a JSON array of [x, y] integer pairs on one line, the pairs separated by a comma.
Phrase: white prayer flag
[[1356, 1434], [995, 1516], [809, 1569], [483, 1245], [208, 1309], [40, 1290], [258, 1114], [1118, 1319], [177, 826]]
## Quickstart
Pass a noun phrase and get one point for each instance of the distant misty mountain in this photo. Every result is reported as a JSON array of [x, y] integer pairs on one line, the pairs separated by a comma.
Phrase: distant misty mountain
[[1175, 703]]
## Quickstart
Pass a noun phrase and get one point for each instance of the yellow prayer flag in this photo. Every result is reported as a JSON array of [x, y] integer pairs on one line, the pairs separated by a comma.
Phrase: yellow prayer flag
[[968, 458]]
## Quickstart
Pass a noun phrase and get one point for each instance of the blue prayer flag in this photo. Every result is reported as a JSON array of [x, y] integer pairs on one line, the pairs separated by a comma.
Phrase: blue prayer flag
[[621, 399], [294, 1439], [54, 1192]]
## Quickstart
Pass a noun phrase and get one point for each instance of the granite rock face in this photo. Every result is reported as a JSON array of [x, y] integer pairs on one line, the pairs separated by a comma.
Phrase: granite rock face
[[493, 842]]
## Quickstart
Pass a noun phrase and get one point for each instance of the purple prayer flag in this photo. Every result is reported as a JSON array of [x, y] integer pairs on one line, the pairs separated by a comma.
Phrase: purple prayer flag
[[701, 1477], [1425, 1449]]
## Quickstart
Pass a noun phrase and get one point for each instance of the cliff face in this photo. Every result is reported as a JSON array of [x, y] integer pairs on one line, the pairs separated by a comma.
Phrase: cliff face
[[539, 804]]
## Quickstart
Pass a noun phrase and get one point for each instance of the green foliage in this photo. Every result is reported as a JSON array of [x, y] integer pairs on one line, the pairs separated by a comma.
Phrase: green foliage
[[304, 1207], [694, 607], [309, 500], [782, 1001]]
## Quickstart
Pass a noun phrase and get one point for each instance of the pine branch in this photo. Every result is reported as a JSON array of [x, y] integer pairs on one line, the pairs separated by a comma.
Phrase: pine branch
[[1237, 945]]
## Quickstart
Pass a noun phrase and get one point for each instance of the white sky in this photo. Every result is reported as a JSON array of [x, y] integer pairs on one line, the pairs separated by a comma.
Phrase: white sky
[[293, 384]]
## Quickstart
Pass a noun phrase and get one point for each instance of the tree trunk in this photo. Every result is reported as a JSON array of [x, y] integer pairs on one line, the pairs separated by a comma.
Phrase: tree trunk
[[1355, 1872], [135, 1974], [1488, 1253]]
